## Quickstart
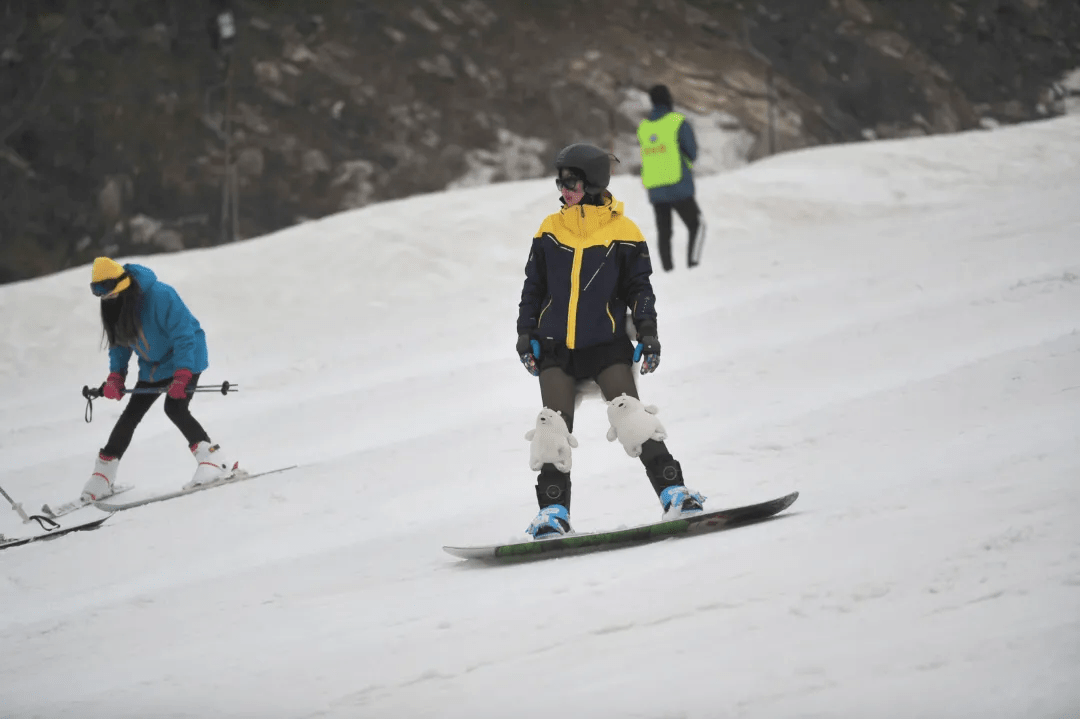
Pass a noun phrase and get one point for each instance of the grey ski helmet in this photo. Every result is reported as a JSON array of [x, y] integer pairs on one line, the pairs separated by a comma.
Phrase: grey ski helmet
[[591, 161]]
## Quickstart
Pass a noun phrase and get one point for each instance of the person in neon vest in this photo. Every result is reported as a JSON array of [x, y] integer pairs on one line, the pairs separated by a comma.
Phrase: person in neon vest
[[668, 151]]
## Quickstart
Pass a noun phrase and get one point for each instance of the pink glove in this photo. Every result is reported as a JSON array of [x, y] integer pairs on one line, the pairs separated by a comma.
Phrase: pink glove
[[178, 388], [114, 386]]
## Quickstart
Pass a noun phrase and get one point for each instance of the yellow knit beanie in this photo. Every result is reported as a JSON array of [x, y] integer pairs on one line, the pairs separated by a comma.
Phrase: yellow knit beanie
[[106, 271]]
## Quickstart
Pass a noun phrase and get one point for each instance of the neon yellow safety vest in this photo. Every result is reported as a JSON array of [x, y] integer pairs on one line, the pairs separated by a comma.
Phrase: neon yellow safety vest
[[661, 160]]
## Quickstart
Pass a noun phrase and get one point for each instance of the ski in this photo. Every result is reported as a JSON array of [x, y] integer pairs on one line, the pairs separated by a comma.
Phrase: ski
[[580, 543], [238, 476], [68, 507], [8, 542]]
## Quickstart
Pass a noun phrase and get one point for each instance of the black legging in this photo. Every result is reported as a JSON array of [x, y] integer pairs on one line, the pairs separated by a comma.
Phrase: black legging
[[558, 391], [137, 407], [691, 215]]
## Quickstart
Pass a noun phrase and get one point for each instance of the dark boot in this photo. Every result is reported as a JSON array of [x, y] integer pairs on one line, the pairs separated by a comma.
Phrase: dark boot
[[553, 496], [552, 487], [666, 477], [664, 472]]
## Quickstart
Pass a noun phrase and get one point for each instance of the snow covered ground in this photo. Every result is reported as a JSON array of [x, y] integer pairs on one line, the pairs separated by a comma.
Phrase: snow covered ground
[[890, 328]]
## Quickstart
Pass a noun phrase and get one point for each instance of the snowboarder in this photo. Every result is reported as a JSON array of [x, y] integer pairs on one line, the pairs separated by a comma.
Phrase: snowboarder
[[142, 314], [589, 265]]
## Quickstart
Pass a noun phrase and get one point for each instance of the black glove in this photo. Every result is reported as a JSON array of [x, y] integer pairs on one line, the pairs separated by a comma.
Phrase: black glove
[[646, 328], [648, 348], [528, 351]]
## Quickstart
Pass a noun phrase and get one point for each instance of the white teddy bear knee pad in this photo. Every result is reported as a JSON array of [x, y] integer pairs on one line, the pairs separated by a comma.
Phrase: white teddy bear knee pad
[[633, 423], [550, 441]]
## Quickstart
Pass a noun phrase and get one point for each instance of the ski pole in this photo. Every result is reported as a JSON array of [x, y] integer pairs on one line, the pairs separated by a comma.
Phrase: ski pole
[[46, 523], [92, 394], [15, 505], [224, 388]]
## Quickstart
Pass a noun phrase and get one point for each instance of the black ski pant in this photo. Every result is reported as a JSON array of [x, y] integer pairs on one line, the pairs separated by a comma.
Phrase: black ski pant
[[137, 407], [691, 216], [558, 390]]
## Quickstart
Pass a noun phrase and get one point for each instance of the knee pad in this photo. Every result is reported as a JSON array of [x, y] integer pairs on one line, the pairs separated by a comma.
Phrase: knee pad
[[550, 441], [633, 424]]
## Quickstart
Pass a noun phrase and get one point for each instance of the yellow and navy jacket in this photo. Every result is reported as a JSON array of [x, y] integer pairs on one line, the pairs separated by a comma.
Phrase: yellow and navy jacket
[[589, 264]]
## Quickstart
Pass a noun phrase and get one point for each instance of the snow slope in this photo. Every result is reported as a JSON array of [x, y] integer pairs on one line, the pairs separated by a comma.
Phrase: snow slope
[[890, 328]]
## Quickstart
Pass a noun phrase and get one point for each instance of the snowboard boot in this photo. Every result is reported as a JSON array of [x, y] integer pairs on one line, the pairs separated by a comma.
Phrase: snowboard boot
[[102, 482], [213, 467], [680, 502], [552, 521], [553, 496], [677, 500]]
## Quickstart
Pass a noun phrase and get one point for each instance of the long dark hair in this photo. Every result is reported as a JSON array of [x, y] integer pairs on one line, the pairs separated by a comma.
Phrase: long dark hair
[[121, 317]]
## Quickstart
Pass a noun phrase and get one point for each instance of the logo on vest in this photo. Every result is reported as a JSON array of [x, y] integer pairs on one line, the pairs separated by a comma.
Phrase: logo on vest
[[655, 150]]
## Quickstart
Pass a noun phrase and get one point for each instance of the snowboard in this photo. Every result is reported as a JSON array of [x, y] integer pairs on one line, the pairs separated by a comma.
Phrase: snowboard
[[580, 543], [68, 507], [7, 542], [238, 476]]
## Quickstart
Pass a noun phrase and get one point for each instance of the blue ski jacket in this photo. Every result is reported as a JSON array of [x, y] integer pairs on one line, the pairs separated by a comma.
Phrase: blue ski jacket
[[171, 337]]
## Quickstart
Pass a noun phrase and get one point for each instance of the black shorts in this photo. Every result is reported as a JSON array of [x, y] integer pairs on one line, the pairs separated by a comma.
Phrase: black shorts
[[586, 362]]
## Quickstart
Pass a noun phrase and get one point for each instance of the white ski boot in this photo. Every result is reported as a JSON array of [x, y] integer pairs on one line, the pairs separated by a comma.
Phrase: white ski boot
[[213, 467], [102, 482]]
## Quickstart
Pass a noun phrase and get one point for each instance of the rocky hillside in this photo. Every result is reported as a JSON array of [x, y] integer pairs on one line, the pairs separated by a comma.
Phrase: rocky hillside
[[134, 126]]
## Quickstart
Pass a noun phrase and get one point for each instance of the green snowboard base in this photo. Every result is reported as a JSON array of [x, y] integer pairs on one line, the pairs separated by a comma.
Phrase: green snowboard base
[[598, 541]]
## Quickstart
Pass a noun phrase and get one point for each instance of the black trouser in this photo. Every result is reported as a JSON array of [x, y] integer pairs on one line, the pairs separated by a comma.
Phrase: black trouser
[[558, 390], [691, 217], [137, 407]]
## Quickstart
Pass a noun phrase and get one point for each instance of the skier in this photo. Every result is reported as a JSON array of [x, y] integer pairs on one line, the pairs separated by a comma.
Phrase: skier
[[589, 265], [142, 314]]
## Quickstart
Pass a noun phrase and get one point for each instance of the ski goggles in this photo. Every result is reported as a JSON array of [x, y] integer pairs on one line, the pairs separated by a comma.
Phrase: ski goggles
[[104, 288], [570, 180]]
